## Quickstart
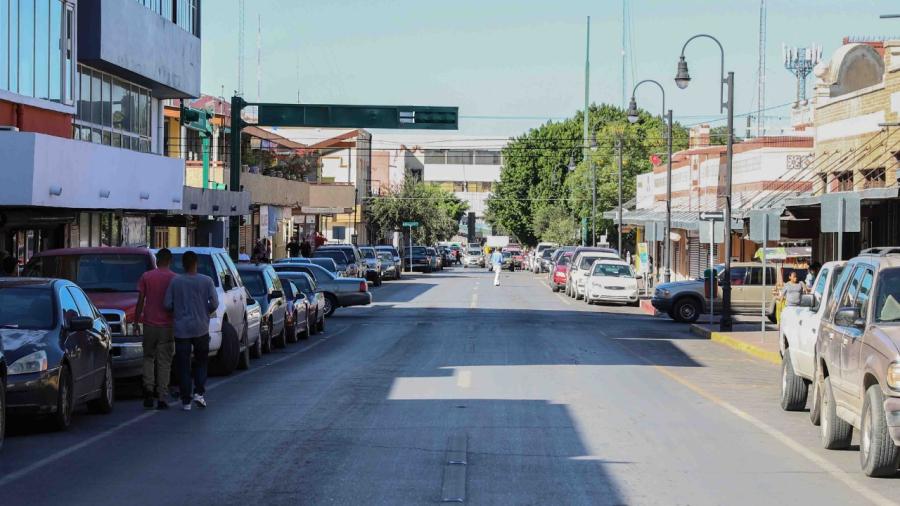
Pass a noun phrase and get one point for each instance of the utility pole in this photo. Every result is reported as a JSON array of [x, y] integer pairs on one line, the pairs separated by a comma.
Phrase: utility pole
[[619, 151], [587, 152]]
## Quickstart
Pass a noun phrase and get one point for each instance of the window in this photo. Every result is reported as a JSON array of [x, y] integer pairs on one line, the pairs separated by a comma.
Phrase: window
[[36, 45], [849, 297], [26, 308], [112, 111], [738, 275], [487, 158], [459, 157], [254, 282], [438, 156], [844, 181], [821, 282], [184, 13], [84, 307], [865, 290], [756, 276], [339, 233], [887, 303], [67, 304], [93, 272]]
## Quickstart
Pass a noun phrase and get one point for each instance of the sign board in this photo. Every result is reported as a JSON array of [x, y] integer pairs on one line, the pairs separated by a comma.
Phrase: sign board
[[718, 232], [712, 216], [324, 210], [765, 225], [643, 259], [655, 231], [410, 223], [840, 212], [263, 221], [358, 116]]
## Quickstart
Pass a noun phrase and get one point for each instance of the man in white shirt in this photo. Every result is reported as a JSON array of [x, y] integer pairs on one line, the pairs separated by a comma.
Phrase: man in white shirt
[[497, 262]]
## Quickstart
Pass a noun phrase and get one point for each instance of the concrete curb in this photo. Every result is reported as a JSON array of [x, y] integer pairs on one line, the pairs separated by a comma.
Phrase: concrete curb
[[648, 308], [773, 357]]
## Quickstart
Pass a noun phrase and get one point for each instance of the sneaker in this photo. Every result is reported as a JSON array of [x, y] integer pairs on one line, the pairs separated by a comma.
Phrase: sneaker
[[199, 401], [163, 405], [186, 407]]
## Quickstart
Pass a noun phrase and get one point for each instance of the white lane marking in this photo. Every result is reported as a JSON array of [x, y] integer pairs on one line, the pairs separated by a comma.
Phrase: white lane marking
[[563, 299], [782, 438], [474, 303], [464, 378], [143, 416]]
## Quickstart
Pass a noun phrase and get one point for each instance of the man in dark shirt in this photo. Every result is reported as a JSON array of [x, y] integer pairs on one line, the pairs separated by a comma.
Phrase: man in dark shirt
[[293, 247]]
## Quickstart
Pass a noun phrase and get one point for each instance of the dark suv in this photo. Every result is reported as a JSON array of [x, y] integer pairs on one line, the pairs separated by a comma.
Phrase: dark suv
[[858, 361]]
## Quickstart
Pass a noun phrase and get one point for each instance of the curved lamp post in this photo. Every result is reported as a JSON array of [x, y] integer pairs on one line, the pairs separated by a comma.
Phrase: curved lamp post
[[683, 79], [632, 118]]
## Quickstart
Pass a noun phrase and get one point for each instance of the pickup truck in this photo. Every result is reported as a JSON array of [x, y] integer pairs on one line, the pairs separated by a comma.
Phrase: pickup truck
[[798, 333]]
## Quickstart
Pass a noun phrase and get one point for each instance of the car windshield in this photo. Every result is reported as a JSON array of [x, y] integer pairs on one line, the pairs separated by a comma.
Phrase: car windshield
[[93, 272], [586, 261], [547, 253], [368, 253], [564, 260], [26, 308], [254, 282], [418, 251], [338, 256], [887, 303], [613, 270], [386, 255], [301, 281], [474, 252], [204, 266]]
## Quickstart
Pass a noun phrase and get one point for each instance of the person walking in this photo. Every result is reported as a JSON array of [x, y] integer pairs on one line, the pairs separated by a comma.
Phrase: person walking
[[159, 341], [293, 247], [191, 297], [497, 263], [305, 249]]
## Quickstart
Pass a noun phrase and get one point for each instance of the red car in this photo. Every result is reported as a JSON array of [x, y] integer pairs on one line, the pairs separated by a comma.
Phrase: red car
[[517, 257], [558, 273]]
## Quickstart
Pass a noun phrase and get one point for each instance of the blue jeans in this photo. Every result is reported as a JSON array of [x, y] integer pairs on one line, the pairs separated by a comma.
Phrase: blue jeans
[[184, 346]]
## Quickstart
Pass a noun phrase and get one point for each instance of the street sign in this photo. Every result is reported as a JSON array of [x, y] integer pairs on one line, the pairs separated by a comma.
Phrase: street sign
[[765, 225], [718, 231], [712, 216], [410, 223], [840, 212], [359, 116], [655, 231]]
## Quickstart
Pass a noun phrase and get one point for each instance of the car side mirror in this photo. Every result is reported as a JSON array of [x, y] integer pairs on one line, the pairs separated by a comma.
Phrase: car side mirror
[[807, 300], [848, 317], [250, 300], [80, 323], [276, 294]]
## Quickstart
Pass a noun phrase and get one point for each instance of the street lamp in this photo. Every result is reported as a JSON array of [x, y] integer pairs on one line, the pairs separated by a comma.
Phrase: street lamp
[[633, 117], [682, 79]]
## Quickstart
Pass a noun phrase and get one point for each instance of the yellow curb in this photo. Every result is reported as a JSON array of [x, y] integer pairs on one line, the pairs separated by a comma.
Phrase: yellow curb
[[769, 356]]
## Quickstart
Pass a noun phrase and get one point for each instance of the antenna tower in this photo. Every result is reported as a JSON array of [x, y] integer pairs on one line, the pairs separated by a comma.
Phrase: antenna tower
[[800, 61], [761, 73], [259, 57], [241, 13]]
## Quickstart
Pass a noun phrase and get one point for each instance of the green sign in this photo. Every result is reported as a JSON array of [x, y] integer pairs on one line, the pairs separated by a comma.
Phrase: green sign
[[359, 116], [410, 223]]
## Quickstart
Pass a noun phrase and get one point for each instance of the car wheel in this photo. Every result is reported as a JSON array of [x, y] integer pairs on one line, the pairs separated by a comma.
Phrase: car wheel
[[686, 311], [244, 356], [226, 360], [257, 350], [636, 303], [878, 455], [62, 419], [104, 403], [312, 327], [835, 432], [280, 341], [378, 280], [793, 388], [330, 304], [815, 408], [307, 331], [554, 288], [321, 324], [267, 343]]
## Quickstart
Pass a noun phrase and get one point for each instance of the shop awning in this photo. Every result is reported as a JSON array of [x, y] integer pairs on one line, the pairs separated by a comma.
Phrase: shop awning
[[784, 253]]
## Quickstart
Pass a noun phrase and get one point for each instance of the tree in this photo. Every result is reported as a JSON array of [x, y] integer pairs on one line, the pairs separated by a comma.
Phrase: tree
[[718, 136], [436, 210]]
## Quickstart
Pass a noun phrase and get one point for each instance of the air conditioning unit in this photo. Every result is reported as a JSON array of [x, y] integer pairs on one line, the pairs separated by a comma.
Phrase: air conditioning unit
[[8, 128]]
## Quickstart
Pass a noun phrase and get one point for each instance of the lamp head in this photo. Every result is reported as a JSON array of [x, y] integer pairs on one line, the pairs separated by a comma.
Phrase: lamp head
[[632, 111], [683, 77]]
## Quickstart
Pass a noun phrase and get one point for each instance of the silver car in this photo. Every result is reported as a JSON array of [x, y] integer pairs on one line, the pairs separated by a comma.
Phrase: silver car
[[339, 292], [390, 268]]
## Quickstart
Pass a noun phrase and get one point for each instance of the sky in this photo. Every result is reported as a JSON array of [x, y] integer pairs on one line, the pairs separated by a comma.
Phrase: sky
[[510, 65]]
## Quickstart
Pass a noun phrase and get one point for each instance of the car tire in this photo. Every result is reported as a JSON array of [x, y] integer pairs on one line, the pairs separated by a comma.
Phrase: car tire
[[226, 359], [835, 433], [793, 388], [378, 280], [330, 304], [292, 335], [815, 404], [244, 356], [878, 455], [320, 325], [280, 341], [554, 288], [104, 403], [636, 303], [311, 328], [686, 311], [62, 418], [267, 344], [256, 350]]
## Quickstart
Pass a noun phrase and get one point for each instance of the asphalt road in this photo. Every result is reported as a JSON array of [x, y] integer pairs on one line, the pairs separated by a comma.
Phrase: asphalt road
[[545, 400]]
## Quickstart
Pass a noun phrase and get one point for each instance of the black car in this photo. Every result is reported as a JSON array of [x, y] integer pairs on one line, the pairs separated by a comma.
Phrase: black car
[[296, 317], [315, 298], [342, 263], [57, 347], [357, 264], [263, 285], [418, 257]]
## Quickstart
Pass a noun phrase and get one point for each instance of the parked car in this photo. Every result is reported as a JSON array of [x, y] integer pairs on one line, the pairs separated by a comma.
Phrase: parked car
[[264, 286], [558, 274], [538, 254], [296, 316], [340, 259], [611, 281], [315, 298], [390, 268], [684, 301], [254, 326], [434, 259], [799, 331], [324, 262], [580, 268], [516, 257], [374, 267], [356, 266], [339, 292], [858, 361], [543, 262], [58, 347], [2, 393], [109, 277], [418, 255], [228, 340], [392, 250]]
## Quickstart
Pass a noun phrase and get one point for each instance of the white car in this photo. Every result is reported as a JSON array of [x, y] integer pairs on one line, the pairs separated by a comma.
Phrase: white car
[[534, 262], [580, 270], [799, 331], [611, 281]]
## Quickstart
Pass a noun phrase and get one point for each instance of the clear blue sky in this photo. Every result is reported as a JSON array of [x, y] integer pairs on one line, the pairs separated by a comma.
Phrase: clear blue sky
[[513, 58]]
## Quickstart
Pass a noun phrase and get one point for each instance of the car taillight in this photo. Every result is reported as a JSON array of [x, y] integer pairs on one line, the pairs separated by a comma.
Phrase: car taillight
[[363, 286]]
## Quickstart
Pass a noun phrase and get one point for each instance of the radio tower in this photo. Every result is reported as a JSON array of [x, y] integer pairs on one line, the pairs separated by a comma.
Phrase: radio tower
[[240, 90], [800, 61], [761, 73]]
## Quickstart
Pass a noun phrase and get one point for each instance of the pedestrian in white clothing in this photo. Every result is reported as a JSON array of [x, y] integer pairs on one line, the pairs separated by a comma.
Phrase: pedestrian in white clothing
[[497, 262]]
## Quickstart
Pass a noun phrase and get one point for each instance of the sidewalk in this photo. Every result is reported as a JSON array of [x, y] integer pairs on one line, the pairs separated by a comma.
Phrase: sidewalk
[[747, 339]]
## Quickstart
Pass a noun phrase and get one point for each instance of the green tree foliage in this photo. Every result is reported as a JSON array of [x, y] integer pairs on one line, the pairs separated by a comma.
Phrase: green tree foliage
[[536, 183], [719, 136], [437, 211]]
